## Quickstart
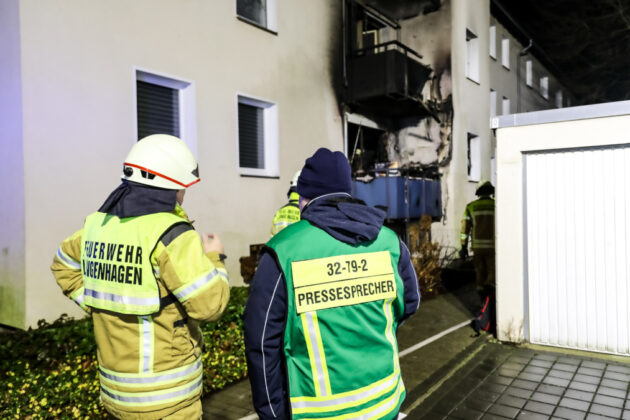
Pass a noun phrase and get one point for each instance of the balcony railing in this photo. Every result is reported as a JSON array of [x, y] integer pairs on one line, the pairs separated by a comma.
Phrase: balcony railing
[[388, 79]]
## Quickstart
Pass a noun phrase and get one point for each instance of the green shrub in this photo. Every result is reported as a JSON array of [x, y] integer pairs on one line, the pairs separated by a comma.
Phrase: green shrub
[[52, 372]]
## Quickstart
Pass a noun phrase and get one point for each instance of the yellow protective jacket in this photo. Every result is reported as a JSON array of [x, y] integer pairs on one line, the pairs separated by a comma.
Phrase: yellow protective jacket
[[150, 366], [478, 223], [287, 214]]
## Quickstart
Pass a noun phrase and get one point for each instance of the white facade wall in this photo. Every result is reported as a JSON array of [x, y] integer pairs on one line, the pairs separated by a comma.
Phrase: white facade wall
[[78, 62]]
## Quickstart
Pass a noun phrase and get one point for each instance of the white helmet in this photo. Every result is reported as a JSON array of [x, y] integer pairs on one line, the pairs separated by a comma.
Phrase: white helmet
[[294, 181], [162, 161]]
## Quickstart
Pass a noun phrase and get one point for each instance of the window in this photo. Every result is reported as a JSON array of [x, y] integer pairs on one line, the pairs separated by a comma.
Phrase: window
[[493, 41], [505, 106], [544, 87], [505, 52], [474, 157], [559, 99], [472, 56], [165, 106], [493, 103], [529, 73], [258, 12], [257, 137]]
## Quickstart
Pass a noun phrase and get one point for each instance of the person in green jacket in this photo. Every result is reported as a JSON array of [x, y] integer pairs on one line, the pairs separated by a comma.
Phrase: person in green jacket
[[329, 293]]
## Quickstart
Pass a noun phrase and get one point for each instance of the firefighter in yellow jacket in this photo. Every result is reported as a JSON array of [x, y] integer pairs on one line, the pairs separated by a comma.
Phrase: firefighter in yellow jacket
[[147, 279], [290, 212], [478, 226]]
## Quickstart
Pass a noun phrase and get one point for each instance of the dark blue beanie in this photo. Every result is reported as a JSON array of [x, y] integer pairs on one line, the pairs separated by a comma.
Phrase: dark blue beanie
[[325, 172]]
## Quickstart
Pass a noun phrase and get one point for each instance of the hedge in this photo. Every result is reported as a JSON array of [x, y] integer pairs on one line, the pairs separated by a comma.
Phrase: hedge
[[51, 371]]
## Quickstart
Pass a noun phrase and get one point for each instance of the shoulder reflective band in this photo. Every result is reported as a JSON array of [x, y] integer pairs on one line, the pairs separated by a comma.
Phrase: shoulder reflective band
[[342, 280]]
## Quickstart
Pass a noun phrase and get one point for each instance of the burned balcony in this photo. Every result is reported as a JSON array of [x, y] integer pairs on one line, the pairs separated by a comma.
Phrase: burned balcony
[[388, 79]]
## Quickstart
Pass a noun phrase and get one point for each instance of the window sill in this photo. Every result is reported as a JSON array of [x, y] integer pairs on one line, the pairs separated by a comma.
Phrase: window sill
[[494, 57], [257, 25], [259, 176], [473, 80], [505, 67]]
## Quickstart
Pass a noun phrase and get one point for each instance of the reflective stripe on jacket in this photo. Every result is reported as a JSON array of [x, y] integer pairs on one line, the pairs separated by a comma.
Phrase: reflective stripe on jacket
[[343, 305], [478, 223]]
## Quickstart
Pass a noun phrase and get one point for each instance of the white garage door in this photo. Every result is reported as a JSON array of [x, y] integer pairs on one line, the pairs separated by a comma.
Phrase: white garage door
[[577, 224]]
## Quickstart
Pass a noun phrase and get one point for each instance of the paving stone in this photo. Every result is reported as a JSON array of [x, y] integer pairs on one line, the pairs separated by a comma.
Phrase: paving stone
[[579, 395], [541, 363], [521, 383], [511, 401], [465, 413], [605, 410], [574, 404], [503, 410], [488, 416], [619, 368], [583, 387], [593, 364], [493, 387], [529, 415], [518, 392], [591, 371], [534, 377], [615, 384], [502, 380], [519, 359], [569, 360], [588, 379], [560, 374], [545, 398], [626, 415], [536, 370], [479, 405], [551, 389], [610, 401], [513, 365], [592, 416], [624, 377], [546, 356], [481, 394], [565, 367], [627, 407], [510, 373], [539, 407], [611, 392], [550, 380], [567, 413]]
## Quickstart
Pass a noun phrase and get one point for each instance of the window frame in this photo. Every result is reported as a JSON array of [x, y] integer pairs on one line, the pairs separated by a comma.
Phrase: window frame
[[544, 87], [493, 103], [529, 73], [493, 41], [270, 137], [505, 52], [271, 14], [187, 109], [472, 56], [473, 157], [505, 101]]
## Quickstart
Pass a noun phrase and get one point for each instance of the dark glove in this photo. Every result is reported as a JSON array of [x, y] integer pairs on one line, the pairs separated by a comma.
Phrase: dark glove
[[463, 253]]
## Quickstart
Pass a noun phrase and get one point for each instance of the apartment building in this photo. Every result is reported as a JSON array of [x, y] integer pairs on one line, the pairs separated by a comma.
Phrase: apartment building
[[247, 85]]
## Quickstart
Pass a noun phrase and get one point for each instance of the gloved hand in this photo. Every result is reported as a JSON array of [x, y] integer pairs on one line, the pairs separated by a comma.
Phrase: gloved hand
[[463, 253]]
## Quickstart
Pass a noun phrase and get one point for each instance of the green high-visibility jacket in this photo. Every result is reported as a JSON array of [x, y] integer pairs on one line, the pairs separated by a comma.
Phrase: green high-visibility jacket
[[478, 223], [287, 214], [344, 302], [116, 264]]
